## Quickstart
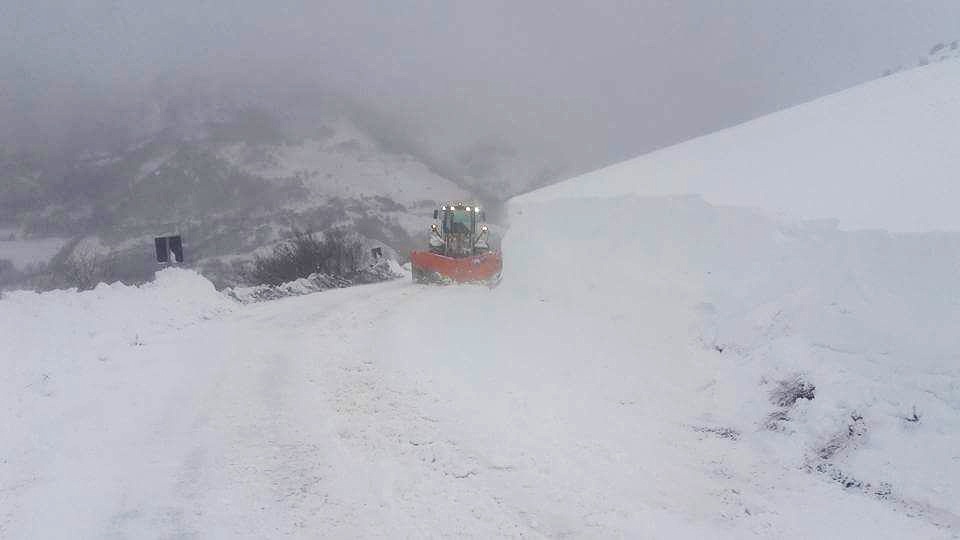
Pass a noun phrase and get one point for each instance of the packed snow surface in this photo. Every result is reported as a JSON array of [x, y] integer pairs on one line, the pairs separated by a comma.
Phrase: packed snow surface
[[883, 155]]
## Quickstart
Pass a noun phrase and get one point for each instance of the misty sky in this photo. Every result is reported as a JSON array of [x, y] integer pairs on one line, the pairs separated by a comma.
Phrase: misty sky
[[591, 81]]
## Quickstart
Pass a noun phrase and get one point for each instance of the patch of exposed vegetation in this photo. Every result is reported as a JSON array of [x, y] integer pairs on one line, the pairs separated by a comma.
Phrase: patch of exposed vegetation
[[336, 253]]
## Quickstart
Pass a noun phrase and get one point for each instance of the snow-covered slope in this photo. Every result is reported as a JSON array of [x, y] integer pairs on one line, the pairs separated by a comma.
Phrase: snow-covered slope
[[883, 155], [754, 309]]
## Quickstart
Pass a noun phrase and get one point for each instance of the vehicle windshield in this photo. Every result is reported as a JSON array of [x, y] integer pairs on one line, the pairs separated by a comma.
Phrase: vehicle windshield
[[461, 222]]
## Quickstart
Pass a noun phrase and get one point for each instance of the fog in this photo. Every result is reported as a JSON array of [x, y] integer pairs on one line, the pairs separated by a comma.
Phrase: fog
[[583, 83]]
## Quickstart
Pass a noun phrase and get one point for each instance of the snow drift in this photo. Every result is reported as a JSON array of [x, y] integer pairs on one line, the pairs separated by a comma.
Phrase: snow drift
[[105, 317], [883, 155], [819, 366], [833, 354], [865, 321]]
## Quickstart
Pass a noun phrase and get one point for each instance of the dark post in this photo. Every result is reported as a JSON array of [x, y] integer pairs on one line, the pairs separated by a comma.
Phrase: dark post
[[165, 245], [163, 250]]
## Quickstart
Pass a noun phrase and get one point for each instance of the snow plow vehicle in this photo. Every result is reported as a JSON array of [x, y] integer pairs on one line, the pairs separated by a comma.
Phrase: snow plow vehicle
[[459, 248]]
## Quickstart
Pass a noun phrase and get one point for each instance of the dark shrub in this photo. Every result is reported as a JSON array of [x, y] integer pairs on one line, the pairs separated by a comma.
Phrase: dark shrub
[[337, 254]]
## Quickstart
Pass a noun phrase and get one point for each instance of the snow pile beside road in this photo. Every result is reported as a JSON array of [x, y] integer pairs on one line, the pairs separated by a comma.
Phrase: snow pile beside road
[[803, 350], [826, 360], [81, 374], [39, 331], [870, 320], [381, 270]]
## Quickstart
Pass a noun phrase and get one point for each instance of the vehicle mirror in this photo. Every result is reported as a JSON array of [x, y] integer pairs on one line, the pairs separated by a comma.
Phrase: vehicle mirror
[[435, 214]]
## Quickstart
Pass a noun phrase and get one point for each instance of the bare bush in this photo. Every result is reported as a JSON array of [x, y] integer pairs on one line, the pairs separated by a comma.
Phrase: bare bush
[[785, 396], [791, 390], [83, 269], [337, 254], [722, 432]]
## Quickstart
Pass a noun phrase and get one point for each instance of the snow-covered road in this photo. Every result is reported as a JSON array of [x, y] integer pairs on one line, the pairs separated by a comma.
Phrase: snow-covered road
[[378, 410], [233, 425]]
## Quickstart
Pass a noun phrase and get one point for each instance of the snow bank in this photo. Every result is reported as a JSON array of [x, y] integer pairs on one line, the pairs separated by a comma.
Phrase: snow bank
[[823, 363], [41, 331], [745, 315], [882, 155], [80, 374]]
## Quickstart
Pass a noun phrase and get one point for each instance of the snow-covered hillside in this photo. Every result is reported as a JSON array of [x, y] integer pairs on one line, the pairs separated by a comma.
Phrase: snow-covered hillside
[[883, 155], [346, 164]]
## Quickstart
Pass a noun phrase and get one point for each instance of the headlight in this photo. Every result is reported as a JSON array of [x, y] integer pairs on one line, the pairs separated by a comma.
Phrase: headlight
[[468, 209], [484, 228]]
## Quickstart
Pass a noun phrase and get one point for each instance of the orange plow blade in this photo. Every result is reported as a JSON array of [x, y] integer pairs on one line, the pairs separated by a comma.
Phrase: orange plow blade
[[432, 268]]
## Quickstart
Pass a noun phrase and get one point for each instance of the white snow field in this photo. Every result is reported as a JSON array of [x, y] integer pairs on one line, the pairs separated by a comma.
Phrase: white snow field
[[650, 367]]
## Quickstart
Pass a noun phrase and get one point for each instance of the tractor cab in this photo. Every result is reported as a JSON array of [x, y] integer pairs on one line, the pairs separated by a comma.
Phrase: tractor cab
[[459, 230]]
